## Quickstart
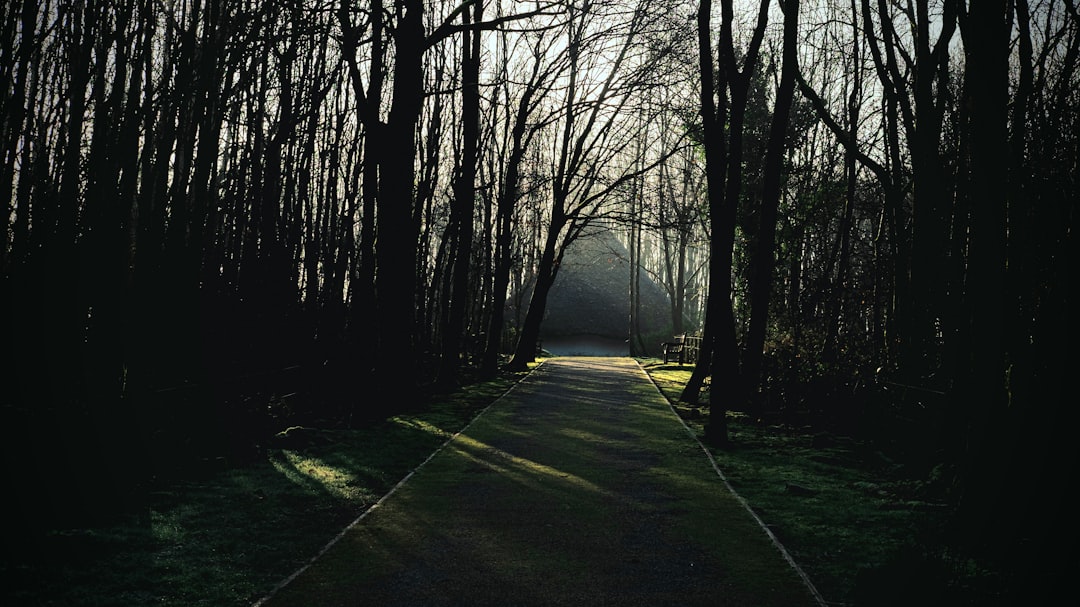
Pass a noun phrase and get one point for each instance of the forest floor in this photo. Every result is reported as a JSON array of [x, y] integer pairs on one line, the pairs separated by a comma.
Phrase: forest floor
[[599, 446], [579, 486]]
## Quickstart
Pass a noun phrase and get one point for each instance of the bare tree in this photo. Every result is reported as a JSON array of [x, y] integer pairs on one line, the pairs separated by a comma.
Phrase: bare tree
[[764, 256], [723, 159], [524, 122], [586, 169]]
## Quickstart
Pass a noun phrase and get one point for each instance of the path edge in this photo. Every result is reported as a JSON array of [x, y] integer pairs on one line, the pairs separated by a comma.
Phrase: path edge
[[745, 504], [281, 585]]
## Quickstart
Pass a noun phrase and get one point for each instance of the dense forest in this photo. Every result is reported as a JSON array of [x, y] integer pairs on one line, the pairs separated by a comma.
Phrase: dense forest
[[221, 217]]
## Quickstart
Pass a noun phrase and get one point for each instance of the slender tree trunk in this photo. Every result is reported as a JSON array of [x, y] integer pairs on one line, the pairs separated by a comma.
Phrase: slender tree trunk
[[503, 240], [1020, 216], [637, 348], [678, 310], [464, 200], [840, 288], [715, 157], [363, 335], [764, 255], [637, 345], [507, 202], [548, 269], [691, 393]]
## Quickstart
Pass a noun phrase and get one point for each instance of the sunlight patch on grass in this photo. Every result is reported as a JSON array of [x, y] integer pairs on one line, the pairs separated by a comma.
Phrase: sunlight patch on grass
[[304, 470], [415, 423], [225, 534], [669, 378]]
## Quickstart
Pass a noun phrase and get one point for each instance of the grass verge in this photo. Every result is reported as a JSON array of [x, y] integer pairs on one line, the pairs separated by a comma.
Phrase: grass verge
[[229, 534], [865, 532]]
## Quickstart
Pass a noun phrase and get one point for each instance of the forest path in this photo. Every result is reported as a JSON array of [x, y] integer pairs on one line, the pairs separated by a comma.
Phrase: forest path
[[578, 487]]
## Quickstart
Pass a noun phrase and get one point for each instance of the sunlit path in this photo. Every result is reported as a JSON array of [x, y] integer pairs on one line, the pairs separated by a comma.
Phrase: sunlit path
[[579, 487]]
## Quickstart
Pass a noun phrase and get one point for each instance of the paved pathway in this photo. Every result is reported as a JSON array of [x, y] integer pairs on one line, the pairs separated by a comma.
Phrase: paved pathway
[[579, 487]]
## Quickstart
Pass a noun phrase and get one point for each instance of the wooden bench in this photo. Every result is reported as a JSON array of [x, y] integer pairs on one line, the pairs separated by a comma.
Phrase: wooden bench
[[676, 349]]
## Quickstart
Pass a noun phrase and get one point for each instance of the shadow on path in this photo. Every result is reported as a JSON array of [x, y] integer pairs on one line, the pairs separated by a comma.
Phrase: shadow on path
[[579, 487]]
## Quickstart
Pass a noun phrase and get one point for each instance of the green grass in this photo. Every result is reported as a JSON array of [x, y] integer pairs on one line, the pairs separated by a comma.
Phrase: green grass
[[227, 537], [863, 531], [594, 487]]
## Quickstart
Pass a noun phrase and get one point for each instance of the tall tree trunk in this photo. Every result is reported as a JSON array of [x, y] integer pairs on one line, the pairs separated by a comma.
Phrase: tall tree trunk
[[637, 348], [764, 256], [715, 157], [637, 344], [397, 232], [728, 388], [547, 270], [508, 198], [678, 310], [982, 389], [103, 285], [719, 318], [840, 285], [503, 261], [1020, 220], [691, 393], [362, 309], [461, 218]]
